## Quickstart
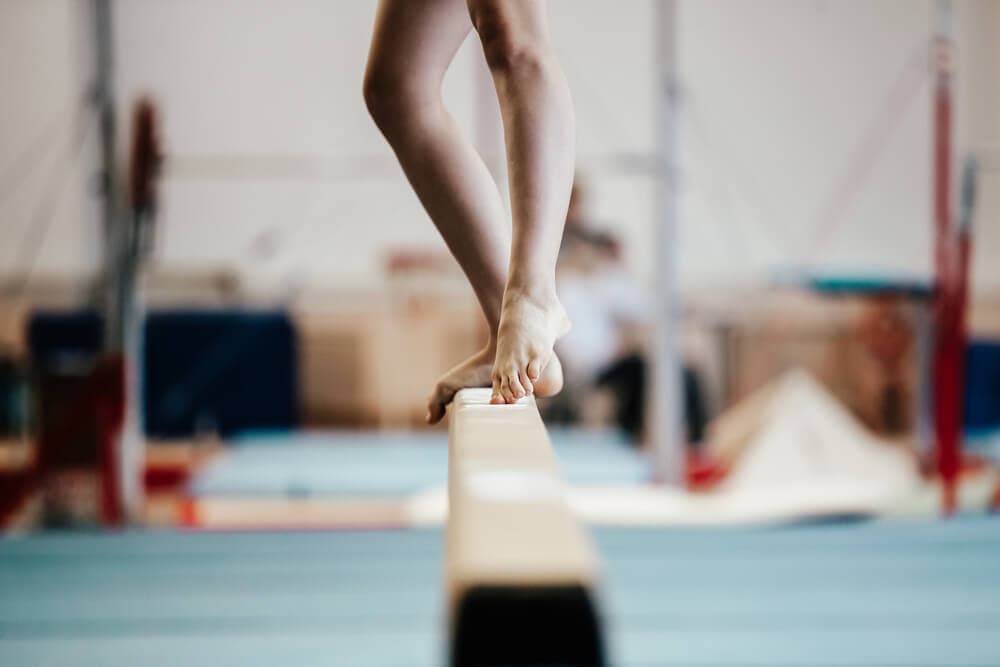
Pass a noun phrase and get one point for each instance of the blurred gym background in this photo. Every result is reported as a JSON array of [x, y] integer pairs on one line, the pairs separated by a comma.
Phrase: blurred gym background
[[223, 308]]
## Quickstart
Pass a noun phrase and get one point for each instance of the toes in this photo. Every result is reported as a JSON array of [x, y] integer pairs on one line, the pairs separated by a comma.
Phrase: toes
[[529, 386], [511, 385], [435, 411], [505, 391], [514, 384], [436, 405], [497, 396], [535, 368]]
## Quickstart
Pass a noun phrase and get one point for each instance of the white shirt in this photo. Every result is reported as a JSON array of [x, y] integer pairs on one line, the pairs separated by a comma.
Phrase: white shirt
[[598, 304]]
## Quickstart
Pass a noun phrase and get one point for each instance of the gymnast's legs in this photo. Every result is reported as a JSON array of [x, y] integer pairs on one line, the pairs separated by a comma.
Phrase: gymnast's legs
[[412, 47]]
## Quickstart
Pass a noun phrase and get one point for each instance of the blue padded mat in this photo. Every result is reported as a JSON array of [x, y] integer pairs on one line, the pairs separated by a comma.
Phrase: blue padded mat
[[226, 370], [877, 594], [388, 464]]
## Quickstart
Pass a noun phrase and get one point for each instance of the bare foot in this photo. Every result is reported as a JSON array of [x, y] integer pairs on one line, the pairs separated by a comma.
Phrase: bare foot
[[476, 371], [529, 327]]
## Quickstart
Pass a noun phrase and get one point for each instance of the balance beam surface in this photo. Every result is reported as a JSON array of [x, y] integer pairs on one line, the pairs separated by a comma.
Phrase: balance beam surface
[[521, 571]]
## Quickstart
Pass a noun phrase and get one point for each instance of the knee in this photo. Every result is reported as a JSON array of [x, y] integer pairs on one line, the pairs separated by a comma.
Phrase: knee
[[507, 48], [396, 102], [382, 95]]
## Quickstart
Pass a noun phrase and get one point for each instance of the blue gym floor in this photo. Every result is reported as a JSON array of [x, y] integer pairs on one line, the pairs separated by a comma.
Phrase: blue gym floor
[[877, 594], [389, 464]]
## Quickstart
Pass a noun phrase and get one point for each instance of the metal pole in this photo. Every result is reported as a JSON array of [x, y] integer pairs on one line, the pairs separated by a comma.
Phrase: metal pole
[[123, 444], [664, 406], [103, 100], [949, 332]]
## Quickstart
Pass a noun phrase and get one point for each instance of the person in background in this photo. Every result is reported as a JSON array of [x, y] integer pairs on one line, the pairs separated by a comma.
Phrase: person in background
[[604, 355]]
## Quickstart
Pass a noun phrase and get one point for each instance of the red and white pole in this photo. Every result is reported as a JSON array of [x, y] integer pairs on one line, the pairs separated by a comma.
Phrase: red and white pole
[[951, 249]]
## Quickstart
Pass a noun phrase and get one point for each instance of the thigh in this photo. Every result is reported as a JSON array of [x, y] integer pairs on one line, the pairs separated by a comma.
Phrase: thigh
[[414, 41]]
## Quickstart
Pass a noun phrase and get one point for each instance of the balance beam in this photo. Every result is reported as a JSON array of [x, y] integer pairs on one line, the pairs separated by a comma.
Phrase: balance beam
[[521, 571]]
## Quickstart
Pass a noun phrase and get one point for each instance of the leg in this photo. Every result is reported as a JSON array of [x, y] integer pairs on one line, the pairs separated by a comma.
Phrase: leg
[[412, 47], [626, 379], [539, 132]]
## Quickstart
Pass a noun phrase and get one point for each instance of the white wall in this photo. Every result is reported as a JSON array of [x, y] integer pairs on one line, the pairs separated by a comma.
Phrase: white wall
[[269, 138], [45, 171], [779, 96], [978, 128], [274, 89]]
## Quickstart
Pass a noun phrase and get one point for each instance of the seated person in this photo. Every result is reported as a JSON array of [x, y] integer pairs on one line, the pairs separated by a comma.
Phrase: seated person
[[603, 355]]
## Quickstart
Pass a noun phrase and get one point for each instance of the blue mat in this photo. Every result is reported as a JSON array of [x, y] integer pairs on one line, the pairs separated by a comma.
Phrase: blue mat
[[982, 387], [883, 594], [388, 464], [221, 370]]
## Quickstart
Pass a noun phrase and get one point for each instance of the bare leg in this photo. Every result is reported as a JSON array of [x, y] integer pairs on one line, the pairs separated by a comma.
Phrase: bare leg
[[539, 132], [412, 47]]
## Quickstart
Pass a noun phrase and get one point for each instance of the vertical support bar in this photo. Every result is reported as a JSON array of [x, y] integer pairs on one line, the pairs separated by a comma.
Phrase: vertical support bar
[[109, 422], [664, 407], [949, 334], [121, 472], [109, 401], [103, 100]]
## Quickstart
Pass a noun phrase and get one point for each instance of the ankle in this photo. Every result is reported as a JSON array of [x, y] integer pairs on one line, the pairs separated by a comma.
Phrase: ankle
[[538, 289], [490, 349]]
